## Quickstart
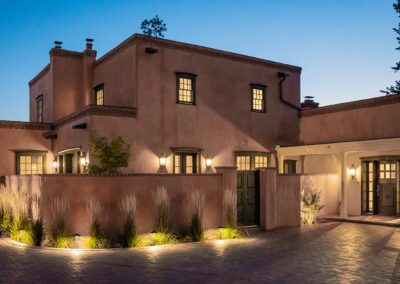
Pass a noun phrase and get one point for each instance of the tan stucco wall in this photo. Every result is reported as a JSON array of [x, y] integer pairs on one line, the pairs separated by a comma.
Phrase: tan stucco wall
[[366, 123], [41, 87], [21, 140], [109, 191], [279, 200]]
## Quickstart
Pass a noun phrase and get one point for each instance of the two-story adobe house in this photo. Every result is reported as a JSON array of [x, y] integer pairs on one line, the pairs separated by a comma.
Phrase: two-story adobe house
[[181, 103]]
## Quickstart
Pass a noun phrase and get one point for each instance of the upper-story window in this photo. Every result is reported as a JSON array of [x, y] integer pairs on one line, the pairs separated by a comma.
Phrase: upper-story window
[[289, 166], [39, 108], [186, 88], [99, 94], [258, 98]]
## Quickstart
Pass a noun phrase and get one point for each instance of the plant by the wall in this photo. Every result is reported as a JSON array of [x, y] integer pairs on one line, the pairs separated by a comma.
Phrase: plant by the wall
[[229, 207], [229, 233], [310, 200], [196, 226], [111, 156], [162, 202], [59, 234], [129, 237], [96, 237], [37, 232]]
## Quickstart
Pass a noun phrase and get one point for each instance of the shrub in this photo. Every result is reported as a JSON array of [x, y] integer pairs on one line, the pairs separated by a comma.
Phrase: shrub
[[196, 227], [310, 201], [58, 230], [162, 202], [229, 204], [22, 236], [96, 236], [129, 237], [111, 156], [229, 233], [37, 232], [164, 238]]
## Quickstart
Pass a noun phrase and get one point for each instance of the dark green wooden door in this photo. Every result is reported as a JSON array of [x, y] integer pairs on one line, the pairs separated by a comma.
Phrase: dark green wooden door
[[248, 198]]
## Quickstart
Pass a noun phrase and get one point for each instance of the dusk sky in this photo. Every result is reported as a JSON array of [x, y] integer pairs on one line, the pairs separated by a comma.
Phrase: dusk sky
[[345, 47]]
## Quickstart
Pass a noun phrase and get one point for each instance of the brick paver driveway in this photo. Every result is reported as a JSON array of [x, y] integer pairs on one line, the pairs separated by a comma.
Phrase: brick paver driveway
[[328, 253]]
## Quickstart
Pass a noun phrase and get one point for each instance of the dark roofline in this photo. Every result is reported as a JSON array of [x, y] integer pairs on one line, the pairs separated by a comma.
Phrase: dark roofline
[[199, 49], [24, 125], [40, 74], [373, 102]]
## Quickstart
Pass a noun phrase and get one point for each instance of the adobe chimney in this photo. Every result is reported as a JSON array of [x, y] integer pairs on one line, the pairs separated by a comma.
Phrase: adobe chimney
[[89, 43], [309, 103]]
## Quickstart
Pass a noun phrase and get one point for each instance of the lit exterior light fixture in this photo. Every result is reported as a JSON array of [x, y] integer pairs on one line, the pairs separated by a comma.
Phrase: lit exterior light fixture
[[83, 161], [55, 165], [163, 165], [352, 171], [208, 165]]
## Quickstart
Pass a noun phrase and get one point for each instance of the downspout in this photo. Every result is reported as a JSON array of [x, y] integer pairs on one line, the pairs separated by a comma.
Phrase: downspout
[[283, 77]]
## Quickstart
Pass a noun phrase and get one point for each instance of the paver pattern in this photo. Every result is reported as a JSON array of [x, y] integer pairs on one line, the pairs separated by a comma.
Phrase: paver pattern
[[323, 253]]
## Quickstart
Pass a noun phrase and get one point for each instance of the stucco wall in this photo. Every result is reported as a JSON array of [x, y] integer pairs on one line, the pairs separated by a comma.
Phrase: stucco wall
[[78, 190], [329, 186], [42, 86], [350, 125], [279, 200], [14, 139]]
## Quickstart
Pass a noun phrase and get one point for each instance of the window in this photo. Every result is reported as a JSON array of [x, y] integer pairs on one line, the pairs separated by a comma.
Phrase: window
[[99, 94], [387, 170], [247, 161], [186, 88], [30, 163], [258, 103], [243, 163], [185, 163], [39, 108], [289, 166]]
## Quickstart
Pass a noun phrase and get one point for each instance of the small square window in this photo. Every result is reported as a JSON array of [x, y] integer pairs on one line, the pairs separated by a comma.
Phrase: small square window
[[186, 88]]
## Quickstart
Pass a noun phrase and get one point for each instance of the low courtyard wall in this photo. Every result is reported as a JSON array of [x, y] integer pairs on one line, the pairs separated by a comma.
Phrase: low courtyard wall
[[279, 200], [110, 190]]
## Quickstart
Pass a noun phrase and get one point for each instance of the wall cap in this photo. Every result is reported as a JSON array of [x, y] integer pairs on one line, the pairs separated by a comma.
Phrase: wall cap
[[366, 103], [24, 125]]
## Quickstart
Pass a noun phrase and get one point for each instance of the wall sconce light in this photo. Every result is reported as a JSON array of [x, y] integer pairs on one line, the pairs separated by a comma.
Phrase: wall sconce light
[[55, 165], [163, 165], [208, 163], [83, 161], [352, 171]]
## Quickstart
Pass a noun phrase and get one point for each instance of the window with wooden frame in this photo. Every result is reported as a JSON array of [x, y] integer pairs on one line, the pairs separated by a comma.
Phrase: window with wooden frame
[[289, 166], [186, 160], [99, 94], [258, 98], [247, 161], [30, 163], [185, 88], [39, 108]]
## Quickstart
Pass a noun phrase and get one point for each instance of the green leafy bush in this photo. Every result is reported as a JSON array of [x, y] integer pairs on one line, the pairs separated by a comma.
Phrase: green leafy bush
[[22, 236], [96, 236], [163, 238], [111, 156]]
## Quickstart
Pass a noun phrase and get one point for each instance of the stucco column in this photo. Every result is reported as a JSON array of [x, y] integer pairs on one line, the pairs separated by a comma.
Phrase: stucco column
[[302, 159], [281, 160], [343, 192], [229, 182]]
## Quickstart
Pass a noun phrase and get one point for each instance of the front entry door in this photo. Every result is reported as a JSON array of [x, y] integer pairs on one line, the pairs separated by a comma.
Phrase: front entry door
[[248, 198], [387, 198], [69, 160]]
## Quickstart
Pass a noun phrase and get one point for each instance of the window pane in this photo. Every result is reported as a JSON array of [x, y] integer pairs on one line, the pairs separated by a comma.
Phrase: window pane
[[261, 161], [258, 99], [243, 163], [100, 97], [185, 92], [189, 164], [31, 164], [177, 161]]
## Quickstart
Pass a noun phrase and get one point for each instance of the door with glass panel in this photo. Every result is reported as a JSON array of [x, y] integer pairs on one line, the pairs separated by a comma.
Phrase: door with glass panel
[[386, 189], [379, 184], [185, 163]]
